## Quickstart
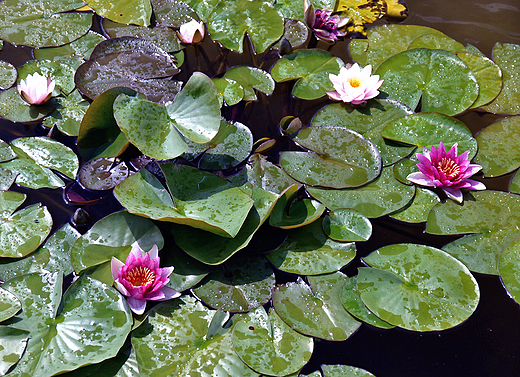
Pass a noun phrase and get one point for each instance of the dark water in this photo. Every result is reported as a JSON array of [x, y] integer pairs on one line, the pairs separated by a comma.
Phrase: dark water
[[487, 344]]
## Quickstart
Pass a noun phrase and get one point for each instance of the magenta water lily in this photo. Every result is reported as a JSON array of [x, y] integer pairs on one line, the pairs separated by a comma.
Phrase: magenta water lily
[[36, 89], [140, 279], [446, 170], [324, 24], [354, 84]]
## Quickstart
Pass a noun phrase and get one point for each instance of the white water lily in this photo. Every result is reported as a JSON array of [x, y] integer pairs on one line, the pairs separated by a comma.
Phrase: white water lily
[[354, 85], [191, 32], [36, 89]]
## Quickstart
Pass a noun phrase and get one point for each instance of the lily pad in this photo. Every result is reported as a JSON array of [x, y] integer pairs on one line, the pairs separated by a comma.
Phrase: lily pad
[[338, 158], [266, 175], [419, 208], [437, 41], [69, 113], [506, 56], [196, 198], [12, 347], [311, 68], [203, 8], [239, 285], [360, 13], [198, 338], [417, 287], [352, 303], [498, 153], [509, 271], [347, 225], [61, 71], [81, 48], [267, 345], [14, 108], [296, 32], [113, 236], [427, 129], [308, 251], [251, 78], [172, 13], [293, 9], [229, 91], [9, 305], [316, 309], [436, 79], [232, 19], [136, 12], [91, 316], [103, 173], [8, 75], [187, 272], [380, 197], [344, 371]]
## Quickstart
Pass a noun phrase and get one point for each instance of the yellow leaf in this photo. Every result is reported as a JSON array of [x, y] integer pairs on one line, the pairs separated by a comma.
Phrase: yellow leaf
[[397, 9], [360, 13], [84, 8]]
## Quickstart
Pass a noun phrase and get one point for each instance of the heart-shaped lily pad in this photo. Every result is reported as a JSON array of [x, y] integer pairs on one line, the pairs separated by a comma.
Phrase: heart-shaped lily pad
[[347, 225], [231, 19], [338, 158], [312, 68], [294, 8], [437, 79], [229, 91], [316, 310], [251, 78], [267, 345], [497, 143], [187, 272], [417, 287], [308, 251], [137, 12], [91, 314]]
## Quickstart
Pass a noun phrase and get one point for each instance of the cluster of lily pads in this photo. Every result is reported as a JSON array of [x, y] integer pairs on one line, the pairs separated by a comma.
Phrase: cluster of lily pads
[[204, 199]]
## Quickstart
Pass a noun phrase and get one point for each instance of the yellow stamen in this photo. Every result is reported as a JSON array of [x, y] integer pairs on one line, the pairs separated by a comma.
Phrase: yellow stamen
[[140, 276], [355, 82], [449, 167]]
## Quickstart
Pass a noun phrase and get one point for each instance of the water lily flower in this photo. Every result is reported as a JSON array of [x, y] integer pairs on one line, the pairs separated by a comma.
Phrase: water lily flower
[[354, 85], [191, 32], [140, 279], [324, 25], [446, 170], [36, 89]]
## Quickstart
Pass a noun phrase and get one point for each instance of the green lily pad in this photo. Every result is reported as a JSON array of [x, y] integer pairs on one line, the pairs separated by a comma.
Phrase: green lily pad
[[103, 173], [311, 68], [60, 71], [266, 175], [239, 285], [53, 256], [162, 36], [41, 23], [251, 78], [419, 208], [8, 75], [193, 198], [6, 152], [147, 125], [196, 110], [292, 212], [308, 251], [232, 19], [92, 318], [70, 111], [21, 232], [347, 225], [509, 270], [385, 41], [9, 305], [294, 8], [380, 197], [197, 338], [81, 48], [436, 79], [316, 309], [417, 287], [112, 236], [267, 345], [36, 156], [437, 41], [195, 241], [514, 183], [99, 134], [344, 371], [497, 153], [506, 55], [427, 129], [352, 303], [14, 108], [203, 8], [368, 120], [136, 12], [12, 347], [172, 13], [187, 272], [229, 91], [338, 158]]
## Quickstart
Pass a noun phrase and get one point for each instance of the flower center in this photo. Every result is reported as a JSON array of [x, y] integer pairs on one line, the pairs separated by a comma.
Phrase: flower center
[[449, 167], [140, 276], [355, 82]]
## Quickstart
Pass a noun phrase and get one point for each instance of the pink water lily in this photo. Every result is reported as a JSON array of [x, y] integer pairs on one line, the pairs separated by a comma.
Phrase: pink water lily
[[140, 279], [191, 32], [446, 170], [354, 85], [36, 89], [324, 25]]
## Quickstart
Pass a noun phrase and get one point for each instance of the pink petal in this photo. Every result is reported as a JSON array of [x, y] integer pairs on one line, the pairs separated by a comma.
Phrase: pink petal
[[115, 266], [137, 306], [334, 95], [471, 170], [421, 179]]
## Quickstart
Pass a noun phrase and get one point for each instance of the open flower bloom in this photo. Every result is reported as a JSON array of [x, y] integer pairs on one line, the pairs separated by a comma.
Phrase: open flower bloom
[[36, 89], [354, 85], [446, 170], [191, 32], [140, 278], [324, 25]]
